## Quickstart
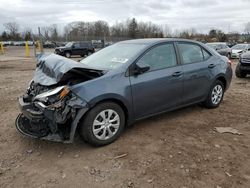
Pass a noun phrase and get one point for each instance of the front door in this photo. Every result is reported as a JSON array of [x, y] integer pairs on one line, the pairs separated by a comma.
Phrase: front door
[[160, 88]]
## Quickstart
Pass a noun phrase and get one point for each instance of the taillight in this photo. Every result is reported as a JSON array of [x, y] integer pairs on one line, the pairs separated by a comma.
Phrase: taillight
[[230, 63]]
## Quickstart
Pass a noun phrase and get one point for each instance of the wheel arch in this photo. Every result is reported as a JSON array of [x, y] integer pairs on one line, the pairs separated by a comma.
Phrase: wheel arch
[[223, 80], [113, 98]]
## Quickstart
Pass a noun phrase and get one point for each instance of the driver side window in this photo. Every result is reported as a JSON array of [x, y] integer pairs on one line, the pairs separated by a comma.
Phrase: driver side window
[[160, 57]]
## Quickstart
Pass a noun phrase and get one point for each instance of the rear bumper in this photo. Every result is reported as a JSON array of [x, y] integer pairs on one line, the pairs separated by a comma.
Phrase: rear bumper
[[39, 121]]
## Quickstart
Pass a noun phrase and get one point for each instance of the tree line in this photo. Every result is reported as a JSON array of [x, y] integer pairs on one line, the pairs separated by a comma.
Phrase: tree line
[[128, 29]]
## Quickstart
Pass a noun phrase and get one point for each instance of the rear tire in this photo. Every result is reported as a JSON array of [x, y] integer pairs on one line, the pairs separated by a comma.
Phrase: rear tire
[[103, 124], [67, 54], [239, 73], [215, 96]]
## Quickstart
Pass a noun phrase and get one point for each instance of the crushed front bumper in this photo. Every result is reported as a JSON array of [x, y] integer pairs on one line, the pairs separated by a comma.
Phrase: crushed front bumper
[[39, 121]]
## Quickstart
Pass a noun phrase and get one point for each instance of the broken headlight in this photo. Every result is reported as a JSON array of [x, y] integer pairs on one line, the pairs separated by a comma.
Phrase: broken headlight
[[53, 95]]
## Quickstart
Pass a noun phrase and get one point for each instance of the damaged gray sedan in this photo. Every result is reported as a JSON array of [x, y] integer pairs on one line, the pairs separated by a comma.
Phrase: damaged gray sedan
[[118, 85]]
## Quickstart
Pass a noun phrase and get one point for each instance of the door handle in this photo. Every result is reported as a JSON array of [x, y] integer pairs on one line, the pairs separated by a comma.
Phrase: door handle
[[177, 74], [211, 66]]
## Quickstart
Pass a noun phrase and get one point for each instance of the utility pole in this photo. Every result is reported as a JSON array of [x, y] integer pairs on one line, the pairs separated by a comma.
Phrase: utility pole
[[34, 44], [40, 40]]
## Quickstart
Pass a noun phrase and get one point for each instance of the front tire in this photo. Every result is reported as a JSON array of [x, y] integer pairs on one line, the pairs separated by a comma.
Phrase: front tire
[[103, 124], [215, 96], [239, 73]]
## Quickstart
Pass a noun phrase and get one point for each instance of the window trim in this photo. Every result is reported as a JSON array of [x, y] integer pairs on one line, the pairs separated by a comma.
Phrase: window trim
[[192, 43], [150, 48], [203, 49]]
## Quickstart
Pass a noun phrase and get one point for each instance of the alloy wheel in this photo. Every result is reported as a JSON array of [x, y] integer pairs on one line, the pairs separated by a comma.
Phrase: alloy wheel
[[217, 94], [106, 124]]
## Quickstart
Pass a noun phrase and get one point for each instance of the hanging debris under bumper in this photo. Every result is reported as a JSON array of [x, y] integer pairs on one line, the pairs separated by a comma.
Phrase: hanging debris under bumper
[[54, 122]]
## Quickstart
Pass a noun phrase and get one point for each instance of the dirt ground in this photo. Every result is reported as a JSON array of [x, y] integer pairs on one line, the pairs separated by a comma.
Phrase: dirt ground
[[180, 149]]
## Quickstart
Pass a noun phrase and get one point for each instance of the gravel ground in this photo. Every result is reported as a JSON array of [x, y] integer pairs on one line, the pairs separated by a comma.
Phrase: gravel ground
[[178, 149]]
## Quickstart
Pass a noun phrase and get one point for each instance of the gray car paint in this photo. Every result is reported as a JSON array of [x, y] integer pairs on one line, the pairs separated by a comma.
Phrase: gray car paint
[[141, 95], [144, 95]]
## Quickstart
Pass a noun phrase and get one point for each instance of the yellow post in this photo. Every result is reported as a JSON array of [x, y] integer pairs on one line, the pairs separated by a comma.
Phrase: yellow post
[[27, 49], [1, 48], [38, 46]]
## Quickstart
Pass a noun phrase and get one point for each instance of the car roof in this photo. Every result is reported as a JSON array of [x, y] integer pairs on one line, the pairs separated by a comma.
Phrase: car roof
[[216, 43], [152, 41]]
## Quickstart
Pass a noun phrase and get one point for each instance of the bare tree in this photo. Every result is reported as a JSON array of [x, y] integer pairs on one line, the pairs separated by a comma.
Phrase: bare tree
[[27, 34], [54, 32], [247, 28], [46, 32], [167, 31], [12, 28]]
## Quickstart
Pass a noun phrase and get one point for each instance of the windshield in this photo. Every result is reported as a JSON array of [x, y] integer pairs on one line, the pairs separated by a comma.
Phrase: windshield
[[113, 56], [69, 44], [240, 46]]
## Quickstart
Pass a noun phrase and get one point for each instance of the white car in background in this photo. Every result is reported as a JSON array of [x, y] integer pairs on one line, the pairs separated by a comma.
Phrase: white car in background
[[238, 49]]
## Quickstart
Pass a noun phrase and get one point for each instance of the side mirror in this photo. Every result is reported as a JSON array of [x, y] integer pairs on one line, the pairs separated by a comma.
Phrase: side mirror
[[73, 46], [140, 68]]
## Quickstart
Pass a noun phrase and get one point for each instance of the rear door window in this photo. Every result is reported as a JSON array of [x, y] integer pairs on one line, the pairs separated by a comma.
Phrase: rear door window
[[191, 53]]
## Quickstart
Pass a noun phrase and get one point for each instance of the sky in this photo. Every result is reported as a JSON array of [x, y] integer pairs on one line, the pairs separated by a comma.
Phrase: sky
[[203, 15]]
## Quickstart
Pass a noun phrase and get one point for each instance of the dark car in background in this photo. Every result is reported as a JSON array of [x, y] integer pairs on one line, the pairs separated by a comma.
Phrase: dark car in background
[[243, 67], [221, 47], [118, 85], [49, 44], [75, 48]]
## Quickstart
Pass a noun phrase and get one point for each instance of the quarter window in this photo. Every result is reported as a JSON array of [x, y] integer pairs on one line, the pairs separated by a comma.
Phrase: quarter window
[[190, 53], [206, 54], [160, 57]]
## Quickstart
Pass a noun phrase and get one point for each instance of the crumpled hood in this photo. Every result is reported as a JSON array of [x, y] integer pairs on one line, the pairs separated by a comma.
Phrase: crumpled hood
[[52, 69]]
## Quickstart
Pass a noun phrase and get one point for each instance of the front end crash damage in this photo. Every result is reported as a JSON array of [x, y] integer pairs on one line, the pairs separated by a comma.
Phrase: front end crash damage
[[53, 111]]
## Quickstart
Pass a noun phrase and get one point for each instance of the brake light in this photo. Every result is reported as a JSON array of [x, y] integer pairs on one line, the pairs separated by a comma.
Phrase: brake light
[[230, 63]]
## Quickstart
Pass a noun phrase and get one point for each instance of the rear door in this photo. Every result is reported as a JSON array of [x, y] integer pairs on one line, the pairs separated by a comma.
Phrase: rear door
[[84, 48], [160, 88], [197, 71], [76, 49]]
